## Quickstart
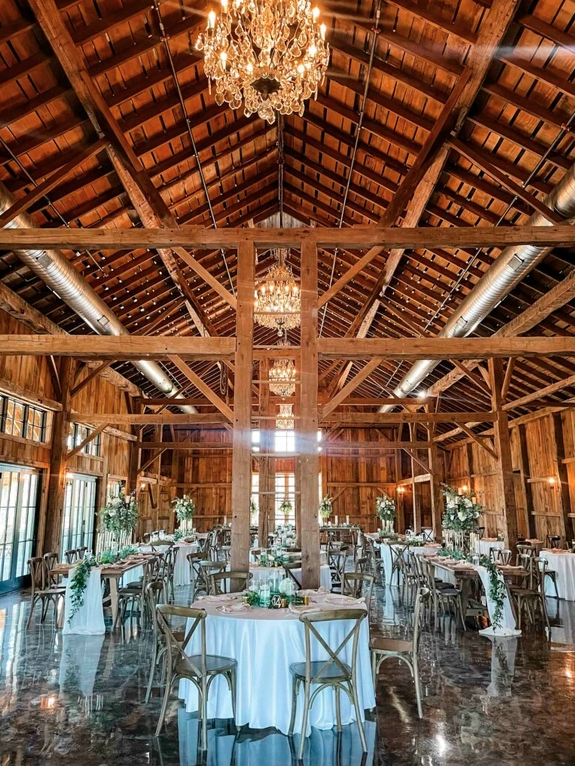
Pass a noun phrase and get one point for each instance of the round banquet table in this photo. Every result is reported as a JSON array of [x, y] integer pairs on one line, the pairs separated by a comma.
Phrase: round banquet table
[[261, 574], [265, 642], [417, 550], [562, 562], [487, 544]]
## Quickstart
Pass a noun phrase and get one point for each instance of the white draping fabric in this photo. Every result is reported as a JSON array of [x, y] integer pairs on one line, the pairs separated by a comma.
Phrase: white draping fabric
[[563, 563], [89, 619], [265, 644], [277, 574], [274, 749], [503, 651], [79, 663], [487, 544], [182, 567], [417, 550]]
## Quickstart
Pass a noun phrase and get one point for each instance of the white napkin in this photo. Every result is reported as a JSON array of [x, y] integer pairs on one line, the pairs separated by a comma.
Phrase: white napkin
[[233, 608]]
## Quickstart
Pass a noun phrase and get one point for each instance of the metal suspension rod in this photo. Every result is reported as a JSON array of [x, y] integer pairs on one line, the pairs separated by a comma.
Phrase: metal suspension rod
[[166, 43], [375, 32]]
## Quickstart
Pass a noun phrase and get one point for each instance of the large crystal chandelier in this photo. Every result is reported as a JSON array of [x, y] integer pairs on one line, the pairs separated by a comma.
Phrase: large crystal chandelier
[[282, 377], [285, 418], [278, 299], [270, 54]]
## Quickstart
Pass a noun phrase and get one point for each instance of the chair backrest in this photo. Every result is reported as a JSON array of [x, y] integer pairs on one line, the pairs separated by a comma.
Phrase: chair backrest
[[37, 567], [289, 570], [540, 566], [525, 549], [334, 656], [228, 582], [81, 552], [177, 658], [358, 584], [71, 556], [50, 561], [503, 556], [553, 541]]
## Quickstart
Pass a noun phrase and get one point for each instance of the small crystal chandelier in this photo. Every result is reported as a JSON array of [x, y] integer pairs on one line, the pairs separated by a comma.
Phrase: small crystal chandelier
[[270, 54], [285, 418], [282, 377], [278, 299]]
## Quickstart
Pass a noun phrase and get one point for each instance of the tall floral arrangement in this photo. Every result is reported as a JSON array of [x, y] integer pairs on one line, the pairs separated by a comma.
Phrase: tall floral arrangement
[[461, 511], [120, 514], [185, 508], [325, 507], [385, 510]]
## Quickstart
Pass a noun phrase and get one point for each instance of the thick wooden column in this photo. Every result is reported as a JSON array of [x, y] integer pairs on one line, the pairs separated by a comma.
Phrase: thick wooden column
[[308, 423], [266, 464], [502, 446], [58, 460], [399, 509], [434, 479], [241, 460], [562, 484]]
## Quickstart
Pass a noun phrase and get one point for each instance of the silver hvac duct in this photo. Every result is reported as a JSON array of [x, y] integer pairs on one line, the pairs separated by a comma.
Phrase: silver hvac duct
[[501, 277], [56, 271]]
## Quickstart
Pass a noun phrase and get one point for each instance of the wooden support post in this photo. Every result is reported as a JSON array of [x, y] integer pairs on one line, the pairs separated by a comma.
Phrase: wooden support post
[[435, 482], [58, 461], [416, 505], [308, 423], [502, 446], [562, 483], [530, 527], [400, 509], [266, 464], [241, 460]]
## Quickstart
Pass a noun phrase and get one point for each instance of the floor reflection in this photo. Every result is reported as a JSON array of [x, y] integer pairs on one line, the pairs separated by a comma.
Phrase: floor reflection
[[68, 699]]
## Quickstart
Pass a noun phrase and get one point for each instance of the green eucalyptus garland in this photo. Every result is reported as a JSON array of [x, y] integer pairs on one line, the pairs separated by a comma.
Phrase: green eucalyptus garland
[[81, 573]]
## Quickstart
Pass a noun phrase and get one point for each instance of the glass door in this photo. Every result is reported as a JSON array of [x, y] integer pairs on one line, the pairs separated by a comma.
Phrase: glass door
[[18, 507], [79, 513]]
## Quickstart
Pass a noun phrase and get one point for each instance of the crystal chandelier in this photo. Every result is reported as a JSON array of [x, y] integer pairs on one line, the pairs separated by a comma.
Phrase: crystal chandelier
[[285, 418], [270, 54], [278, 300], [282, 377]]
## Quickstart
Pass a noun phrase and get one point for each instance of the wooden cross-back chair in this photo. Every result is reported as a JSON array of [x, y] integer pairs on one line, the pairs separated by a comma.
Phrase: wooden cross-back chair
[[358, 585], [43, 591], [200, 668], [331, 672], [229, 582]]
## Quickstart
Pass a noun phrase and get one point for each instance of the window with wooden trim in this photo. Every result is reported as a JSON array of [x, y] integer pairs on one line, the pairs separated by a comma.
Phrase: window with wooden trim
[[78, 433], [18, 418]]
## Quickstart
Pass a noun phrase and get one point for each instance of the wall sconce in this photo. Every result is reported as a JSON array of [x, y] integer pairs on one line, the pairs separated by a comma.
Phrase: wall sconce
[[400, 490], [142, 487], [464, 488], [551, 481]]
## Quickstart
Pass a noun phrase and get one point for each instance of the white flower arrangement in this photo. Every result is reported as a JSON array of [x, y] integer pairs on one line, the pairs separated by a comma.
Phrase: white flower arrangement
[[184, 508], [286, 507], [120, 514], [385, 508], [461, 511], [325, 507]]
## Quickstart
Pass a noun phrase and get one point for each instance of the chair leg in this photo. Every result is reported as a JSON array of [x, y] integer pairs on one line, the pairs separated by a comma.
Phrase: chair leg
[[338, 708], [358, 716], [417, 683], [204, 708], [307, 694], [31, 613], [232, 682], [167, 692], [152, 672], [460, 605], [294, 693]]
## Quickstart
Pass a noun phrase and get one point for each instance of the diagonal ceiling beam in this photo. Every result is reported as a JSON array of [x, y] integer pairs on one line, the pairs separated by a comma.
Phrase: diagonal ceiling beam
[[144, 196]]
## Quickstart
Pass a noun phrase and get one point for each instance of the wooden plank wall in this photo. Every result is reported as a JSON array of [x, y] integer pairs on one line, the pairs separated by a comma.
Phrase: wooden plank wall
[[542, 506]]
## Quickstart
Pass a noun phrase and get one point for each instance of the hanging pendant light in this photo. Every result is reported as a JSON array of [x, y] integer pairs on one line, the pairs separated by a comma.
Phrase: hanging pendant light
[[278, 298]]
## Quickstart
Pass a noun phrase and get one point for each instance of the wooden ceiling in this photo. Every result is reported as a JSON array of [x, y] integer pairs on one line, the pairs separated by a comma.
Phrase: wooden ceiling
[[510, 143]]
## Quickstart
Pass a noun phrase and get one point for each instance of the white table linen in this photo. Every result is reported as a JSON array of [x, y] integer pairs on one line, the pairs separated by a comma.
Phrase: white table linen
[[182, 567], [563, 563], [79, 663], [485, 546], [265, 642], [89, 619]]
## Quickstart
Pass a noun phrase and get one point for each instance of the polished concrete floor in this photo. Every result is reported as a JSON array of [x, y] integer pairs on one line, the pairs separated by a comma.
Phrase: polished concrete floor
[[79, 700]]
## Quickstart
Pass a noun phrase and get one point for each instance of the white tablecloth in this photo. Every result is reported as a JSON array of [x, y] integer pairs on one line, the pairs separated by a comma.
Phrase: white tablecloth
[[182, 567], [563, 563], [89, 619], [261, 574], [417, 550], [487, 544], [265, 644]]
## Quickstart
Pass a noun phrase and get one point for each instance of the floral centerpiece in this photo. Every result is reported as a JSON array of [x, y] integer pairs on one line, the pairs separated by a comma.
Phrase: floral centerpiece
[[285, 535], [325, 508], [385, 510], [462, 512], [185, 509], [120, 517], [286, 508]]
